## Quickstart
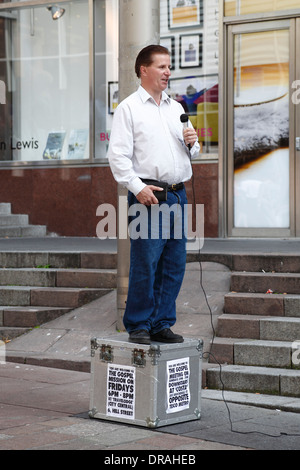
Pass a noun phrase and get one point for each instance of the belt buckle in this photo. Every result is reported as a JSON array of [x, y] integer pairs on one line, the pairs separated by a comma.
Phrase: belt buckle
[[173, 186]]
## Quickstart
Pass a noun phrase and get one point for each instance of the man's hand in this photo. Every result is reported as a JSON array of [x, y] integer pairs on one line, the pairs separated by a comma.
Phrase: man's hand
[[190, 136], [147, 197]]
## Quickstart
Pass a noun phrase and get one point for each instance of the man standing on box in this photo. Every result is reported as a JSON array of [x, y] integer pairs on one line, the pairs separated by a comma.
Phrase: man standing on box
[[148, 142]]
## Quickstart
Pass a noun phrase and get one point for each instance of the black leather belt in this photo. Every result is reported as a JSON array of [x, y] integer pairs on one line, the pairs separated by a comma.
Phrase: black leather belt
[[170, 187]]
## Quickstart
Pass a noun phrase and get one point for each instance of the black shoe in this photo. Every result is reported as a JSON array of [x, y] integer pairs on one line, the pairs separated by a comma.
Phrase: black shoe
[[167, 336], [140, 337]]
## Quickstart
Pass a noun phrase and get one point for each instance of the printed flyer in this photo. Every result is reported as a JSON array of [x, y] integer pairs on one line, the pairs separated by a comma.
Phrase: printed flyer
[[120, 391], [178, 387]]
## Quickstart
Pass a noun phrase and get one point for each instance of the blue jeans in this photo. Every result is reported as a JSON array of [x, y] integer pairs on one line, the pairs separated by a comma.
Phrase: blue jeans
[[157, 267]]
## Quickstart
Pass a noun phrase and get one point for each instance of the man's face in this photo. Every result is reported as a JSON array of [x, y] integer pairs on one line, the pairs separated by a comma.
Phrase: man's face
[[156, 76]]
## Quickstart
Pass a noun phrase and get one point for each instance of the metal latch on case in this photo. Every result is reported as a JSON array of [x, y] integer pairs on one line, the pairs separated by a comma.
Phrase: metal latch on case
[[138, 358], [106, 353]]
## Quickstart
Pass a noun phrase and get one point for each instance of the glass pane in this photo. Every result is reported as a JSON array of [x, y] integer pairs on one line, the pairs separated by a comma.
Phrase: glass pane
[[47, 110], [261, 129], [194, 53], [106, 47], [244, 7]]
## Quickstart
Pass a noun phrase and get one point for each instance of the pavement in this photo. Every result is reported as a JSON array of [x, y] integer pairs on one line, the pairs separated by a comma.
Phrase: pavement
[[45, 391]]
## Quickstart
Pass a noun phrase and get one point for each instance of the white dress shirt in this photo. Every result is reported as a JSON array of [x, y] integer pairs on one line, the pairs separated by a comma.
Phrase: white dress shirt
[[146, 141]]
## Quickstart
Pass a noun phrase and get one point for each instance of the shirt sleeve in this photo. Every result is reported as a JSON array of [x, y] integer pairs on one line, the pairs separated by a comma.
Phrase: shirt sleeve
[[120, 151]]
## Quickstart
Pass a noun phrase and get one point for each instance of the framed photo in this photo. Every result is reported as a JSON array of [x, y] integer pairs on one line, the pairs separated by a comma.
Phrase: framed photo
[[169, 43], [185, 13], [113, 96], [190, 51]]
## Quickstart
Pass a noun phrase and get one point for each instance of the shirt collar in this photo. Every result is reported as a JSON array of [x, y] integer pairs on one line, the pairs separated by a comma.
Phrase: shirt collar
[[145, 96]]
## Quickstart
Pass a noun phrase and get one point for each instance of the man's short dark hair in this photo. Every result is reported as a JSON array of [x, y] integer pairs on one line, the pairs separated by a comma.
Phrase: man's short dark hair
[[145, 56]]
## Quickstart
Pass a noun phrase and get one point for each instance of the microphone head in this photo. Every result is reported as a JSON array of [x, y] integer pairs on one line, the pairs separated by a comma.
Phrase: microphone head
[[184, 118]]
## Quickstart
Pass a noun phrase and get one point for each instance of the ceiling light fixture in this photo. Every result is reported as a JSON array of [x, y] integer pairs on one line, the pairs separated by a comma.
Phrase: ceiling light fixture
[[56, 12]]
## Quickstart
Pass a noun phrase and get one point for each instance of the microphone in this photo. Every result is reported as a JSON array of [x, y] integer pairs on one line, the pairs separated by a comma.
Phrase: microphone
[[184, 119]]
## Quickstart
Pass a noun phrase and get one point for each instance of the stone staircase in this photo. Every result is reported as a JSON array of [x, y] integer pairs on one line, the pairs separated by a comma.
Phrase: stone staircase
[[17, 225], [38, 287], [256, 337]]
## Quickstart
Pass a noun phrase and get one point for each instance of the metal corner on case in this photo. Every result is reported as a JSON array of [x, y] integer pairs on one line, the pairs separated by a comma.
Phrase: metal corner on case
[[152, 423], [92, 413]]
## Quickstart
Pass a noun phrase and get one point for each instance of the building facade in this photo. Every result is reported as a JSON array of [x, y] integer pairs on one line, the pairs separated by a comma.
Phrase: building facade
[[235, 69]]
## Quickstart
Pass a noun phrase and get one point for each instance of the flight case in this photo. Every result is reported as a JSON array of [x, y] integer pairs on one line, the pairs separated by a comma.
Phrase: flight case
[[146, 385]]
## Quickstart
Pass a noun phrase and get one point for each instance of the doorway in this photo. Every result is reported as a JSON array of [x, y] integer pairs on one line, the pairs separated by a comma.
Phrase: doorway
[[262, 125]]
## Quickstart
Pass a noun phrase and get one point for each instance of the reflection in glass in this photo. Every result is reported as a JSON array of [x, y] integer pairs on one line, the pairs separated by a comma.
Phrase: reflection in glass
[[245, 7], [199, 97], [261, 129], [47, 112], [106, 71]]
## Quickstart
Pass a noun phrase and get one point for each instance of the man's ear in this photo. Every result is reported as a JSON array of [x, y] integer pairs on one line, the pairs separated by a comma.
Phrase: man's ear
[[143, 71]]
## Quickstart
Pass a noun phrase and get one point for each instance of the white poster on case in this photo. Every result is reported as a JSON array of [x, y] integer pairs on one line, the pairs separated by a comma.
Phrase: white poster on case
[[178, 385], [120, 396]]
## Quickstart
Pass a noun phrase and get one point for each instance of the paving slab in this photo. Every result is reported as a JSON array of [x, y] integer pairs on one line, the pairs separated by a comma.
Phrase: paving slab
[[47, 409]]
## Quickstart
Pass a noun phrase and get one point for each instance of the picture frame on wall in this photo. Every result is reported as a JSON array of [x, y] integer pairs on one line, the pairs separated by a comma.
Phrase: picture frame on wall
[[113, 96], [190, 50], [169, 43], [185, 13]]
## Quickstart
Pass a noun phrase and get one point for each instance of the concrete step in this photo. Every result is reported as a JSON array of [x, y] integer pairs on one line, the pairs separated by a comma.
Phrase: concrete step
[[260, 353], [7, 334], [15, 295], [49, 297], [58, 260], [17, 225], [65, 297], [265, 354], [251, 262], [100, 278], [238, 326], [279, 283], [268, 263], [258, 327], [29, 317], [262, 304], [266, 380], [13, 219], [5, 208], [23, 231], [50, 277]]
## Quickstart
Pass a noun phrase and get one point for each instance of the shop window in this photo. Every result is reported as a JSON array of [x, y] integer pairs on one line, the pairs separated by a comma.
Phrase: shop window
[[190, 30], [246, 7], [106, 47], [44, 67]]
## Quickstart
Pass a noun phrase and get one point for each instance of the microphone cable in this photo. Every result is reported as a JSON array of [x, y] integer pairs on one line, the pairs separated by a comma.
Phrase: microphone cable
[[209, 353]]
